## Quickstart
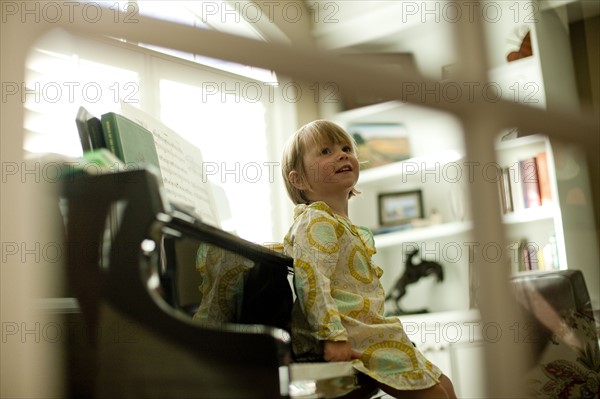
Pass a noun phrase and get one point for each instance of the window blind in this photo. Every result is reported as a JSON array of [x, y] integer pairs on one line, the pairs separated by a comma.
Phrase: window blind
[[222, 113]]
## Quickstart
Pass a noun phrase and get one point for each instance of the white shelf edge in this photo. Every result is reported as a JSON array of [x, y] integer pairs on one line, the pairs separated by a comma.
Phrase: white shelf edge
[[398, 169], [521, 142], [367, 110], [513, 66], [381, 111], [530, 215], [421, 233], [448, 229]]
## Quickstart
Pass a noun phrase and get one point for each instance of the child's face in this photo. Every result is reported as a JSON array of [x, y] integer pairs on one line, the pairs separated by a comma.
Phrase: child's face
[[331, 170]]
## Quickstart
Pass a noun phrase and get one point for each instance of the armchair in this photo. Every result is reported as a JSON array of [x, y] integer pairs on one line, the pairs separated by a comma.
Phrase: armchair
[[567, 356]]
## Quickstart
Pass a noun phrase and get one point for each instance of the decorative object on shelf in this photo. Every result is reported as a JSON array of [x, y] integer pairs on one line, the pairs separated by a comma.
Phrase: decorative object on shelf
[[435, 217], [413, 273], [400, 207], [550, 253], [525, 48], [379, 144], [394, 62]]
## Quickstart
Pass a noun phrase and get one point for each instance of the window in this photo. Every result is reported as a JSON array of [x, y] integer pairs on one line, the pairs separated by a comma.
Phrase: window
[[63, 73], [226, 118], [221, 113]]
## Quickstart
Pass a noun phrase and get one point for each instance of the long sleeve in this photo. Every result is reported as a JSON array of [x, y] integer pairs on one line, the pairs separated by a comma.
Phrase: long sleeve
[[313, 243]]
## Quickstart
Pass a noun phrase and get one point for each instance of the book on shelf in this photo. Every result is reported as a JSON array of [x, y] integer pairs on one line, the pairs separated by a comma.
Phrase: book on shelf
[[541, 263], [551, 252], [533, 256], [516, 187], [506, 200], [525, 184], [543, 178], [529, 179], [529, 257]]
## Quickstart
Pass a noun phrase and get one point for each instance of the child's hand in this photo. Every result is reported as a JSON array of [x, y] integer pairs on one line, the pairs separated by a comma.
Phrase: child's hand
[[338, 351]]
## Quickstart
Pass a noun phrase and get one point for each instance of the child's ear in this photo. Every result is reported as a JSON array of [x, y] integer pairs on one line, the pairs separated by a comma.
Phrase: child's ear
[[296, 180]]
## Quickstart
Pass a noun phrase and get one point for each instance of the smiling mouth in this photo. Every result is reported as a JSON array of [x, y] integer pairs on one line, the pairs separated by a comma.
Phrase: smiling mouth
[[346, 168]]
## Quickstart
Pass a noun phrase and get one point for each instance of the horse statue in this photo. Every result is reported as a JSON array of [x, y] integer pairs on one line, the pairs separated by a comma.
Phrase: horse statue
[[413, 273]]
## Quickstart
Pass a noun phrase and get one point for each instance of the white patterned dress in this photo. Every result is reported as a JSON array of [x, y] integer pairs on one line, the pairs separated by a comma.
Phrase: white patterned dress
[[340, 298]]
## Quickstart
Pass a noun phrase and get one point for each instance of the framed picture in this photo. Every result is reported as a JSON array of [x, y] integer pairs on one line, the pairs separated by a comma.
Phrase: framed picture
[[400, 207], [379, 144]]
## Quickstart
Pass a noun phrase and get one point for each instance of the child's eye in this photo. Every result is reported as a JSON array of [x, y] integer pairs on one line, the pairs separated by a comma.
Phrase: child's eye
[[347, 148], [326, 151]]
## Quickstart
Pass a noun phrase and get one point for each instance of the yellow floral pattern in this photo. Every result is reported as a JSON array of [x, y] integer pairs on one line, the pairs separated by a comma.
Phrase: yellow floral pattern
[[222, 286], [340, 298]]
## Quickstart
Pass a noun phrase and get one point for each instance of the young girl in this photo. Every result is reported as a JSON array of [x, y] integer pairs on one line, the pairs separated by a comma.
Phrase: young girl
[[338, 315]]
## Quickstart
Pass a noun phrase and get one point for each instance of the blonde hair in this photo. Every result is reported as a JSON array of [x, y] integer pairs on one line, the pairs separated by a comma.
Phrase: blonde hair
[[310, 135]]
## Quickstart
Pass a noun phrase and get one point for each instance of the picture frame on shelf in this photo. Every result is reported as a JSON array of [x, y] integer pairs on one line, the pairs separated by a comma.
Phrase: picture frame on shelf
[[398, 208], [380, 144]]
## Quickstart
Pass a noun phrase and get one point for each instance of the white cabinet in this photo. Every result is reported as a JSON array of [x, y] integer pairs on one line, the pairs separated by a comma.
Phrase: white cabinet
[[453, 341], [468, 371]]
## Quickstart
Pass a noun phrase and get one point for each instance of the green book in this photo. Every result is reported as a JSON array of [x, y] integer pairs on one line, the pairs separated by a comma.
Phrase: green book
[[130, 142]]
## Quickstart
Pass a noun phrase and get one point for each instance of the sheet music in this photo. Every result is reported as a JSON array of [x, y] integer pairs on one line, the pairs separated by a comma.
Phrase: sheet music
[[180, 165]]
